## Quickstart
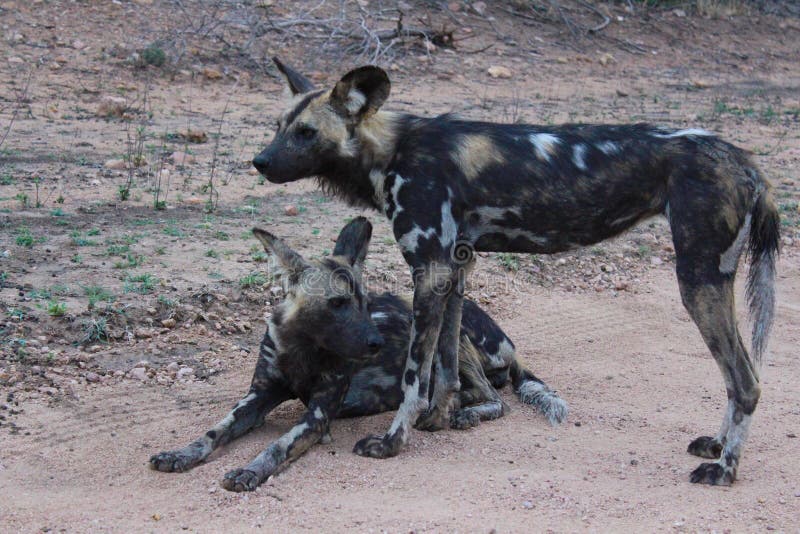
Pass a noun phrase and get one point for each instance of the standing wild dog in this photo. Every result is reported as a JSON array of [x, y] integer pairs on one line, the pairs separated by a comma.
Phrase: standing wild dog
[[451, 186], [341, 351]]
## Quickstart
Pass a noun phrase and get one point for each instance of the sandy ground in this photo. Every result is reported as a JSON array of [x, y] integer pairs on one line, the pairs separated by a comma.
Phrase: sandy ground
[[604, 326], [633, 368]]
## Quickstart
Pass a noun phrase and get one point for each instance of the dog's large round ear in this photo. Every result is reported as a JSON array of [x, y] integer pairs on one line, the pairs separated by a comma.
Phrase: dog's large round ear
[[284, 260], [297, 82], [353, 241], [361, 91]]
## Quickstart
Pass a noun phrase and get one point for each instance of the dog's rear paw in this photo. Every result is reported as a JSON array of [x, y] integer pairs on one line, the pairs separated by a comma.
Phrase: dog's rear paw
[[432, 420], [172, 462], [377, 447], [240, 480], [705, 447], [464, 419], [714, 474]]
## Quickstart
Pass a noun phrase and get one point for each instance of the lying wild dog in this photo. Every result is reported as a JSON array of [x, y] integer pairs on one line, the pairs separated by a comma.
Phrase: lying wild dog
[[342, 351], [451, 186]]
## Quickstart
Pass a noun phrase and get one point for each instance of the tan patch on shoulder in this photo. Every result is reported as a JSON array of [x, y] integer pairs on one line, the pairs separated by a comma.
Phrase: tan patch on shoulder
[[475, 152]]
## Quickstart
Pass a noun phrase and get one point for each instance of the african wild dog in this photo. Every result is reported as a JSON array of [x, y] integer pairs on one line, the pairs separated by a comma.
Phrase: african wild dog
[[341, 352], [450, 186]]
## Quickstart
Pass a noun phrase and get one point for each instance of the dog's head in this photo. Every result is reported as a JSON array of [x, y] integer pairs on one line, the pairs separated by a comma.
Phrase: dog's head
[[326, 303], [316, 132]]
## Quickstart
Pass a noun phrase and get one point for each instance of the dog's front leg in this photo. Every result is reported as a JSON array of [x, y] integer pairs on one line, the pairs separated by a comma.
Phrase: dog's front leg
[[314, 425], [430, 297], [266, 392]]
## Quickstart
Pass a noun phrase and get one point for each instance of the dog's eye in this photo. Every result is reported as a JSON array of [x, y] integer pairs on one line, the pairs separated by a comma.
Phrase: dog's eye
[[338, 302], [306, 132]]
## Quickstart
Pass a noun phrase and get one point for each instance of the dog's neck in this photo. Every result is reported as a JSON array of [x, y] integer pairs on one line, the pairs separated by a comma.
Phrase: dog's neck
[[358, 180]]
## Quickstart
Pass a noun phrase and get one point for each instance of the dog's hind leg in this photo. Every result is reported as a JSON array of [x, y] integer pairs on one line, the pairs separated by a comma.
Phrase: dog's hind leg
[[711, 307], [266, 392], [477, 400]]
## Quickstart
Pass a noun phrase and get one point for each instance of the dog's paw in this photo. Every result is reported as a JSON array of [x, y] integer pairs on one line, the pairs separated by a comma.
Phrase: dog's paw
[[464, 419], [377, 447], [705, 447], [714, 474], [431, 421], [240, 480], [172, 462]]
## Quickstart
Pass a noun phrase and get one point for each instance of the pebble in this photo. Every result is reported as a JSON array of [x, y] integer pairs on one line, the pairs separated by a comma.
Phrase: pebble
[[290, 210], [173, 367], [168, 323], [528, 505], [92, 377], [185, 372], [655, 260], [139, 373], [498, 71]]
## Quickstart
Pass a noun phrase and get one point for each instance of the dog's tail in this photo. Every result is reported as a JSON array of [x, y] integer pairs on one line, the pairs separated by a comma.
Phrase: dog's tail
[[533, 391], [763, 249]]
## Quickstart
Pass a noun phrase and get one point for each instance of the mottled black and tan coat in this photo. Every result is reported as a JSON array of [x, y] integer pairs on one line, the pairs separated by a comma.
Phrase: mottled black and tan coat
[[341, 351], [451, 186]]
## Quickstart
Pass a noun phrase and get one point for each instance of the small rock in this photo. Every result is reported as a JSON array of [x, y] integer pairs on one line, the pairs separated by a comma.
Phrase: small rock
[[788, 241], [621, 93], [185, 372], [168, 323], [605, 59], [498, 71], [211, 74], [139, 373], [290, 210], [173, 367], [92, 377], [112, 106], [679, 13], [621, 286], [655, 260], [94, 349], [479, 8], [142, 333], [115, 164], [193, 136], [48, 390], [528, 505], [15, 60]]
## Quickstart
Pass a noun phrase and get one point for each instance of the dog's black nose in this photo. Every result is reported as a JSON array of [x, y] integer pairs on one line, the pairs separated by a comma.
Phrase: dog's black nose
[[375, 344], [261, 163]]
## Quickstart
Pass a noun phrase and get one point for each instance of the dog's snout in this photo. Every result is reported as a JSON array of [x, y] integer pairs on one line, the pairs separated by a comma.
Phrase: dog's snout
[[375, 344], [261, 163]]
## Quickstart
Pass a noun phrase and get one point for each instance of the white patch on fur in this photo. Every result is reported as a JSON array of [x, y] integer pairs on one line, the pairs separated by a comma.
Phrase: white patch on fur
[[729, 259], [379, 317], [290, 437], [377, 178], [544, 144], [666, 212], [503, 357], [355, 101], [546, 400], [398, 183], [609, 148], [447, 238], [683, 133], [579, 156], [318, 413]]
